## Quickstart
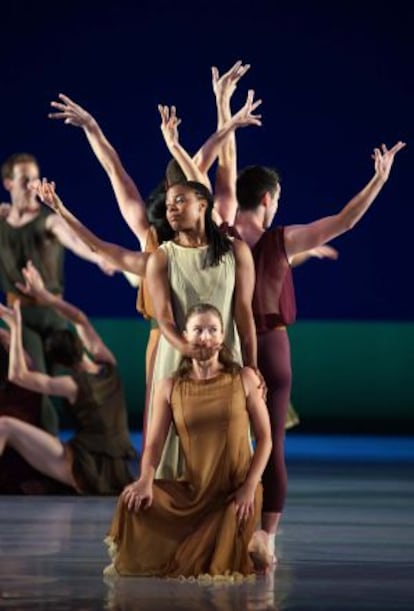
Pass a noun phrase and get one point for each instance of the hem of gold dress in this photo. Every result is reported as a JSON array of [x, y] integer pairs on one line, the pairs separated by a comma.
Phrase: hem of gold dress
[[112, 547], [207, 579], [203, 578]]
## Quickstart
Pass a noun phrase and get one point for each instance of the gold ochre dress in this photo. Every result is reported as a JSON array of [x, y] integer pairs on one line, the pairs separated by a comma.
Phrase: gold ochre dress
[[191, 528]]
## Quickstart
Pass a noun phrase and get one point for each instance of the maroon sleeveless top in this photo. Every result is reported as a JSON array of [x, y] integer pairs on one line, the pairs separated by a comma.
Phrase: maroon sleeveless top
[[274, 300]]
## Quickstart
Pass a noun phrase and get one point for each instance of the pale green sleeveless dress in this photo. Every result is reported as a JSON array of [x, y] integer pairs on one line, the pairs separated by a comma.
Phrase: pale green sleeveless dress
[[192, 282]]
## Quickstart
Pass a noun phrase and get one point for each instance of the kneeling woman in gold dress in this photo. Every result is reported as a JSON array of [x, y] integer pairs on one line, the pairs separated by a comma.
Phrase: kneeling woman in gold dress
[[204, 522]]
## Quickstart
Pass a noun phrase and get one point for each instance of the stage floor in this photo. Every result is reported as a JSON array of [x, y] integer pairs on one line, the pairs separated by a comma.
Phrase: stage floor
[[347, 542]]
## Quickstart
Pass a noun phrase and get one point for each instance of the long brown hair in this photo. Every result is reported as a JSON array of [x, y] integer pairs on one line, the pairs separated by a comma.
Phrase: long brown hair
[[225, 355]]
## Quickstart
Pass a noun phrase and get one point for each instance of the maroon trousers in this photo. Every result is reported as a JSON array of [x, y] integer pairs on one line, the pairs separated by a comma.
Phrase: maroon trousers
[[273, 349]]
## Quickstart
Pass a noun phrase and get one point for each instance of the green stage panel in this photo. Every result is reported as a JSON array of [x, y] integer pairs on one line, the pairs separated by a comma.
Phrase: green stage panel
[[342, 370], [127, 338], [345, 370], [353, 370]]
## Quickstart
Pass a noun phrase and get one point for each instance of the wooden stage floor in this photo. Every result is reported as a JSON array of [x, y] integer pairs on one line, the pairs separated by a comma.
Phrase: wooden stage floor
[[347, 542]]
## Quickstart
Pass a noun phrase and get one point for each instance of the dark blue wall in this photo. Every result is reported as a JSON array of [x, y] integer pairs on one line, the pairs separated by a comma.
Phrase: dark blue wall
[[336, 80]]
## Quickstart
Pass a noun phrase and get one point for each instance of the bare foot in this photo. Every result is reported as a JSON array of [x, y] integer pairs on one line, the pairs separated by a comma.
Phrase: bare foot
[[258, 549]]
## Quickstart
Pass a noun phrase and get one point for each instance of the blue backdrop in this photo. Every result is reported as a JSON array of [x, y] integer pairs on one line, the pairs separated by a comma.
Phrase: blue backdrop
[[335, 78]]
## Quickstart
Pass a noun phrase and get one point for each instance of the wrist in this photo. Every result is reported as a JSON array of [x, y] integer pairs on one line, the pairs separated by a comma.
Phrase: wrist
[[250, 484], [44, 297], [380, 178], [146, 478], [90, 125]]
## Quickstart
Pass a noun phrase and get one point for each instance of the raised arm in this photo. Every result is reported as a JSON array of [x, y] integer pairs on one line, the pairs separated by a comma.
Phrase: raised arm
[[113, 254], [169, 129], [139, 494], [19, 374], [198, 171], [243, 295], [225, 199], [299, 238], [34, 287], [244, 117], [130, 202]]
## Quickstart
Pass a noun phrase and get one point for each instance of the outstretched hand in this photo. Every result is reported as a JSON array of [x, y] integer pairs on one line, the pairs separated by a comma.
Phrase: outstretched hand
[[225, 85], [245, 115], [46, 192], [70, 112], [169, 124], [384, 158]]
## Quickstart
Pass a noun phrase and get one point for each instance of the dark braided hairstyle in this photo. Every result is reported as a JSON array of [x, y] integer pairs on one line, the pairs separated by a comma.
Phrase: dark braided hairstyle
[[155, 202], [218, 242], [157, 213]]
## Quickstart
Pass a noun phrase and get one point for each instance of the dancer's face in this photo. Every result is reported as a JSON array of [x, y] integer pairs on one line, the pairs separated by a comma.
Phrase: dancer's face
[[24, 174], [204, 330], [184, 207]]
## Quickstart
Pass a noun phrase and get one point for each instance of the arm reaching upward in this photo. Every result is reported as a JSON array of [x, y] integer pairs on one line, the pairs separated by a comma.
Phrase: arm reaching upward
[[34, 287], [226, 173], [129, 200], [116, 256], [169, 128], [299, 238], [63, 386]]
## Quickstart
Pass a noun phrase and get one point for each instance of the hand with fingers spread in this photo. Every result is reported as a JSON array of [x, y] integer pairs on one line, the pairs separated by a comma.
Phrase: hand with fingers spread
[[46, 192], [245, 115], [138, 495], [225, 85], [71, 113], [169, 125], [244, 502], [384, 159]]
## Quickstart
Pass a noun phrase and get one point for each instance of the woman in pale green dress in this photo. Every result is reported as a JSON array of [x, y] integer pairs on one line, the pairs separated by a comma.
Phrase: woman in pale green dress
[[201, 264]]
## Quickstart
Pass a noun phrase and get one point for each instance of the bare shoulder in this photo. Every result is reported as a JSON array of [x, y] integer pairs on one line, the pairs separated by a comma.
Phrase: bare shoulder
[[157, 259], [249, 378], [241, 250]]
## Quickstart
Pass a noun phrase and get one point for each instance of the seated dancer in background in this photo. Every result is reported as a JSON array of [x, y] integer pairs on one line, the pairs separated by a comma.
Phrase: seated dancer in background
[[274, 251], [16, 475], [96, 459], [204, 523]]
